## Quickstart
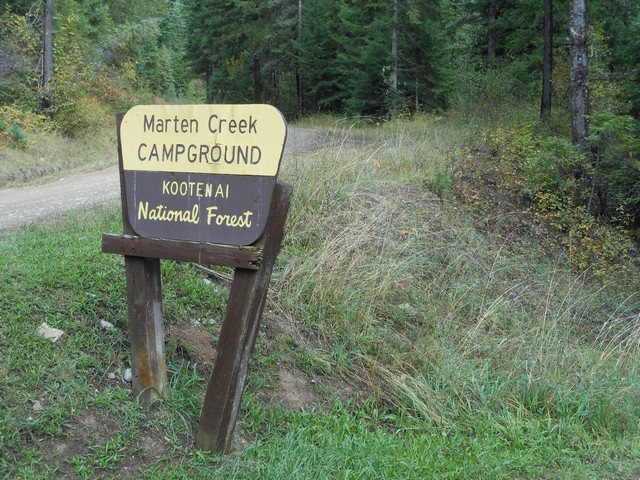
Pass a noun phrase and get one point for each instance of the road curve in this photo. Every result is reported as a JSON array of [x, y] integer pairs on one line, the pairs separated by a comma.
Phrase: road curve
[[24, 205]]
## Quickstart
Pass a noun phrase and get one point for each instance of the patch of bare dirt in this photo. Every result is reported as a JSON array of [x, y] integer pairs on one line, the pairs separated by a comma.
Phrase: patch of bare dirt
[[296, 390], [147, 451], [294, 387], [195, 341], [93, 430]]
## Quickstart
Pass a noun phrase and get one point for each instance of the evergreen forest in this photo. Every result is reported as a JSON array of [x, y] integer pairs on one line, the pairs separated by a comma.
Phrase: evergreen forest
[[374, 58], [68, 64]]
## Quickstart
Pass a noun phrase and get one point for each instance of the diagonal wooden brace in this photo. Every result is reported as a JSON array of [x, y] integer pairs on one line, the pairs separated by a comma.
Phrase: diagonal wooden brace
[[247, 299]]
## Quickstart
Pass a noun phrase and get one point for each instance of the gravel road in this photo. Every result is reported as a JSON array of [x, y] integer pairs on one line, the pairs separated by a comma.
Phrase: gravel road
[[24, 205]]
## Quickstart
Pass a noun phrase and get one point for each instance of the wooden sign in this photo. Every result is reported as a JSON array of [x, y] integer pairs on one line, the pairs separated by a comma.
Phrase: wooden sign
[[202, 173], [198, 184]]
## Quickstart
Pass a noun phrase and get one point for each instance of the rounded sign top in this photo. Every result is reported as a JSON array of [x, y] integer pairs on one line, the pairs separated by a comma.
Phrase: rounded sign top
[[203, 173], [210, 139]]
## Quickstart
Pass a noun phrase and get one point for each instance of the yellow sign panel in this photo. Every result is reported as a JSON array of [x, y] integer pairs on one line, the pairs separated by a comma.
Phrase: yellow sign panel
[[212, 139]]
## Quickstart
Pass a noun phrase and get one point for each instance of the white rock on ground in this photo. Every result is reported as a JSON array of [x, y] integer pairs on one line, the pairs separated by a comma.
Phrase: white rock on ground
[[50, 333]]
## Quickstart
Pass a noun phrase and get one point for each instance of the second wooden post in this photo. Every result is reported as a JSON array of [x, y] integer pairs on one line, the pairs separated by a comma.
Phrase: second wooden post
[[247, 299]]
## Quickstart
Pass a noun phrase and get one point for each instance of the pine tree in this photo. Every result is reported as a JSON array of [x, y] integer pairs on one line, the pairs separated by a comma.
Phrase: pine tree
[[547, 62], [364, 62], [579, 75], [243, 47], [425, 56], [619, 22], [320, 44]]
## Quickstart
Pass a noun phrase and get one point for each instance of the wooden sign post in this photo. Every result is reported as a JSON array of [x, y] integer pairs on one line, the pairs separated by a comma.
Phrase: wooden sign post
[[198, 184]]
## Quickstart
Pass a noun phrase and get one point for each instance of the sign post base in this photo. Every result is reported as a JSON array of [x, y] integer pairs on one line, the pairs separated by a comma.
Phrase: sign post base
[[146, 328]]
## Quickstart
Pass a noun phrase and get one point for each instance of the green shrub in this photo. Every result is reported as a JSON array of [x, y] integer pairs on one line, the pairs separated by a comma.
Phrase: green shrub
[[615, 185], [20, 49], [582, 199], [17, 137], [440, 183], [18, 114]]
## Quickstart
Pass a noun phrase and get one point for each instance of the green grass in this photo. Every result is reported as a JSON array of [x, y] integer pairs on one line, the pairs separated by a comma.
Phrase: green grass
[[459, 327], [365, 444], [430, 347], [56, 274]]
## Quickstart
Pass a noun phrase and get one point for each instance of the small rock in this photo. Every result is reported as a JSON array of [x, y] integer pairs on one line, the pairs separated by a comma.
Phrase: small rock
[[127, 376], [489, 180], [50, 333], [37, 406], [90, 295], [107, 325], [111, 376]]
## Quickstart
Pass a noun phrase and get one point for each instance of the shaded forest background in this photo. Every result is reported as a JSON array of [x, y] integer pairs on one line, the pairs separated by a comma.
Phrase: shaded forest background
[[338, 56], [375, 60]]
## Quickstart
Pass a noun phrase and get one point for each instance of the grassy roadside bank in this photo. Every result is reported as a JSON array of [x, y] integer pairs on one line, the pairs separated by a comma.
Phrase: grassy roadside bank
[[417, 345], [44, 155]]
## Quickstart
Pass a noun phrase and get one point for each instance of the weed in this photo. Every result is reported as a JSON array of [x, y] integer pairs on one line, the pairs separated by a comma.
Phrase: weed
[[440, 184]]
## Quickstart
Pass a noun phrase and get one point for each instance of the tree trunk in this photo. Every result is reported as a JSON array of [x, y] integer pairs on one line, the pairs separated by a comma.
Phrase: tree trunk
[[547, 62], [394, 61], [299, 80], [417, 99], [46, 94], [257, 81], [579, 75], [491, 34]]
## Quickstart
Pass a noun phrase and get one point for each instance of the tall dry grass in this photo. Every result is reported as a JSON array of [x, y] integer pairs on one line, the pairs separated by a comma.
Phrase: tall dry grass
[[402, 295]]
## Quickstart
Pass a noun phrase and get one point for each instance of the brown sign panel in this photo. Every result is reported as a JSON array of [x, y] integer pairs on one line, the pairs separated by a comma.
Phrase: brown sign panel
[[227, 209], [202, 173]]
